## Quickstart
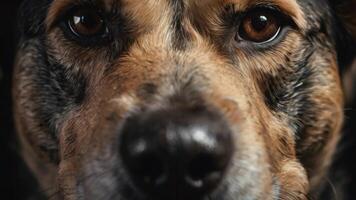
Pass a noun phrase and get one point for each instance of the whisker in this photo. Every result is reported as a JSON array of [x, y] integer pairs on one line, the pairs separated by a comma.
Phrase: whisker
[[333, 188]]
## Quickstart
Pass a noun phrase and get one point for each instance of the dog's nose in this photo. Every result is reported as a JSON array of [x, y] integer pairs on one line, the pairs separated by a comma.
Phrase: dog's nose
[[178, 153]]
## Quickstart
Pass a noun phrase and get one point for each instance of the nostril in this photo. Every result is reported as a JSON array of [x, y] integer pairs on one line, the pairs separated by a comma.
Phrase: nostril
[[200, 167], [143, 161], [151, 169], [203, 170]]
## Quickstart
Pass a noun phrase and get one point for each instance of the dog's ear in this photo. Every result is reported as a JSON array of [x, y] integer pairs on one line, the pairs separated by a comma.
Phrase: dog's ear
[[344, 29], [346, 11], [349, 81]]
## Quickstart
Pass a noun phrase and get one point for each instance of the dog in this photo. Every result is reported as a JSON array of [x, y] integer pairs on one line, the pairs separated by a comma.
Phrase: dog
[[182, 99]]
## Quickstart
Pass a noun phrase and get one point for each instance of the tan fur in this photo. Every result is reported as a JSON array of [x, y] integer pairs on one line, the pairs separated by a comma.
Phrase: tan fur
[[264, 139]]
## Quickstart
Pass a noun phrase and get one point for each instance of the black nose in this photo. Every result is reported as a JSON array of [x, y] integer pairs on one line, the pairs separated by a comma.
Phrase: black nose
[[178, 153]]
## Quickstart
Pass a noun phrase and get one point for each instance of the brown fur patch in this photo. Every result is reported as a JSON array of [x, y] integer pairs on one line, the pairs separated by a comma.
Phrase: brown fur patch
[[213, 70]]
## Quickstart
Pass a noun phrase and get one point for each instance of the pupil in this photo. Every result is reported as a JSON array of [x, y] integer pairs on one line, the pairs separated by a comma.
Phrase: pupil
[[89, 21], [259, 23]]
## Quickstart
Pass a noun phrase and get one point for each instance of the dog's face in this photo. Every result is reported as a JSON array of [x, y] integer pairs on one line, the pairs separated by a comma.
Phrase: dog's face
[[179, 99]]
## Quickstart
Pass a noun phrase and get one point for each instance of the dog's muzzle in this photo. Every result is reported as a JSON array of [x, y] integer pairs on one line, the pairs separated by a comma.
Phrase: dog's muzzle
[[177, 153]]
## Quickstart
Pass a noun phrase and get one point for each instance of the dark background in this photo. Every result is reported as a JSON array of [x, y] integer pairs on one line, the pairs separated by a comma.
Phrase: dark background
[[15, 180]]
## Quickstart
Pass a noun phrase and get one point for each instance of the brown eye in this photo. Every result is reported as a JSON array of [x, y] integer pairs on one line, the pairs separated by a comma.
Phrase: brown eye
[[86, 22], [260, 26]]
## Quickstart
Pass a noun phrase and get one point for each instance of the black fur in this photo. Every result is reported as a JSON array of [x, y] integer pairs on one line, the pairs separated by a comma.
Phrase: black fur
[[60, 89], [287, 92], [32, 16], [181, 35]]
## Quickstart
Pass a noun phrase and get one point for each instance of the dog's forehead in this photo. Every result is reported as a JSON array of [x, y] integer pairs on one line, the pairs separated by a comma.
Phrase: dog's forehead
[[291, 6]]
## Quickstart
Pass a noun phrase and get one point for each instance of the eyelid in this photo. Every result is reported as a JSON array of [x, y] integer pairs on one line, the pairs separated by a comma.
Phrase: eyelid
[[272, 38]]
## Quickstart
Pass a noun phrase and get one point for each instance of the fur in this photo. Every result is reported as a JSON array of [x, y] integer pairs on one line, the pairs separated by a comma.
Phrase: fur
[[284, 100]]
